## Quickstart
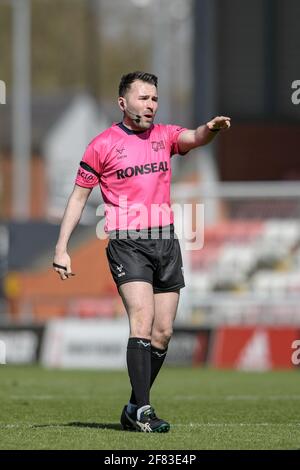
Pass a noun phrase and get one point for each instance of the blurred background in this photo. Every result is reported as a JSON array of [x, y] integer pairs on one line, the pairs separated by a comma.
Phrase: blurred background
[[61, 62]]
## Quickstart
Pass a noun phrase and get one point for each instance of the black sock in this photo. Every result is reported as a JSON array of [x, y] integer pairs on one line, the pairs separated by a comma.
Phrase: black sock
[[157, 359], [139, 369]]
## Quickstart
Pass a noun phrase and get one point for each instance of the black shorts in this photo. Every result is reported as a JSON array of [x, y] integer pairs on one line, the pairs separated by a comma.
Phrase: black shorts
[[157, 261]]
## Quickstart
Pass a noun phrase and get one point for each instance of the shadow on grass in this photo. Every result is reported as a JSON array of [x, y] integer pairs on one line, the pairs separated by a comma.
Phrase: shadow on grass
[[78, 424]]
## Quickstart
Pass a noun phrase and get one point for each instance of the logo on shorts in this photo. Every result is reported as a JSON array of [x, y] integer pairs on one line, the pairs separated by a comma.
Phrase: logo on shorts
[[182, 270], [120, 268]]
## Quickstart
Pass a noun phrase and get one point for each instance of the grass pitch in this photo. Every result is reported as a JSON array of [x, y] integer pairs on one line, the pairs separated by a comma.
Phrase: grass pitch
[[207, 409]]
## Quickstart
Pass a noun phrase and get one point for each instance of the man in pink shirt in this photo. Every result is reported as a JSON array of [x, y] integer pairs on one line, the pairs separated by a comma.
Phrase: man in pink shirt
[[130, 161]]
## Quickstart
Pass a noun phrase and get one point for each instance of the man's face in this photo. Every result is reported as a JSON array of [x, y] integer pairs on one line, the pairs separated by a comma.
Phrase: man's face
[[141, 99]]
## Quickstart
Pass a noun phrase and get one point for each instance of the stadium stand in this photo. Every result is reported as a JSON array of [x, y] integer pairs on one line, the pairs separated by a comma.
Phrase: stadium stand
[[251, 255]]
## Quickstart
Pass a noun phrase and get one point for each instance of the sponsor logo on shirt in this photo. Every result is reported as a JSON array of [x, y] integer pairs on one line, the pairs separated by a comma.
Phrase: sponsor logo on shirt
[[120, 153], [88, 177], [156, 146], [142, 169]]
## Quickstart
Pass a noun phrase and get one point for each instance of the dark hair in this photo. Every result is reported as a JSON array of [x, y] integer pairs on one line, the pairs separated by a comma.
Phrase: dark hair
[[129, 78]]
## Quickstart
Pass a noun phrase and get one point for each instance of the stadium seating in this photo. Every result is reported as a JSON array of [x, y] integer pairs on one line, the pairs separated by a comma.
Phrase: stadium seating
[[254, 256]]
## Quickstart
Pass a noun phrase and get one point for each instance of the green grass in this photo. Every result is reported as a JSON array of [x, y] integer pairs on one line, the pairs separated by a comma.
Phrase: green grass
[[207, 409]]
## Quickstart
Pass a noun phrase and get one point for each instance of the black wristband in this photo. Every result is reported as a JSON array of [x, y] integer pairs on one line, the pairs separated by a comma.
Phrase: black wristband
[[59, 266], [213, 130]]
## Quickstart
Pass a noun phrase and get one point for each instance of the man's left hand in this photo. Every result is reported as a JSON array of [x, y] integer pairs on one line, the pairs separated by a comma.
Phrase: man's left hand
[[219, 122]]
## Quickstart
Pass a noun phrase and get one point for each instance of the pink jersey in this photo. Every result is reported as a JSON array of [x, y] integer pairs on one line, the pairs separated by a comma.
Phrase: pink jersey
[[133, 170]]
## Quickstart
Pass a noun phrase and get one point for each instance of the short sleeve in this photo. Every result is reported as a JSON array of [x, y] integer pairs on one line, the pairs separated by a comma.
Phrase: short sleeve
[[174, 132], [88, 174]]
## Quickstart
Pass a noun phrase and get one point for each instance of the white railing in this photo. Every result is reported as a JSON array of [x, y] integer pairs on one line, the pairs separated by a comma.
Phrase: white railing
[[238, 190]]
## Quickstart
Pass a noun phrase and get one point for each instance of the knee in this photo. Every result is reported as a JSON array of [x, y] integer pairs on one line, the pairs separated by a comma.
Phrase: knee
[[139, 330], [160, 338]]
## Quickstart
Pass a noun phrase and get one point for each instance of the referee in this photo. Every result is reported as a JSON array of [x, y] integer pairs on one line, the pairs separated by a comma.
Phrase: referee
[[130, 161]]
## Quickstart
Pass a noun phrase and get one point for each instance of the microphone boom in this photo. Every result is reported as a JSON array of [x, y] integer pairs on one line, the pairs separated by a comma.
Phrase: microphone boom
[[137, 117]]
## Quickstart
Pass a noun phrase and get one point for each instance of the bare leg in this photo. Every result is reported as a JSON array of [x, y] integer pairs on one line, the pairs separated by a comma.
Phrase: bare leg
[[165, 310], [138, 300]]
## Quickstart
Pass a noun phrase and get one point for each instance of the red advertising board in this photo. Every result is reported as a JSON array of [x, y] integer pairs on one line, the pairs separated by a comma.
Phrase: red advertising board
[[253, 348]]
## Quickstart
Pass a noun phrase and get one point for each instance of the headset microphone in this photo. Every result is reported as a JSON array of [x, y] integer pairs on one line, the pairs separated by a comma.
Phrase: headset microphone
[[137, 117]]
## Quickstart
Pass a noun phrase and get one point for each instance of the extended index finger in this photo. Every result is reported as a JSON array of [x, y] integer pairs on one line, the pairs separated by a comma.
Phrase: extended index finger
[[226, 118]]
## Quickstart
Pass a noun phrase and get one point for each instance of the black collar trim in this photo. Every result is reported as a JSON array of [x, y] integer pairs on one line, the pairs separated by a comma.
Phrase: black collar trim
[[128, 131]]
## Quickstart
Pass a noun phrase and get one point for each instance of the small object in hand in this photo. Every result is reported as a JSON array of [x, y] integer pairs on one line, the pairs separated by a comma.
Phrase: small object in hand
[[59, 266]]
